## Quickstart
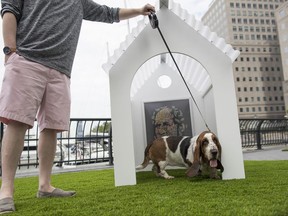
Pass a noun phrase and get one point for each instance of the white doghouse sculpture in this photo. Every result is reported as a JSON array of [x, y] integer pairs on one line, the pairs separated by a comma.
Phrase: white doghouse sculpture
[[189, 37]]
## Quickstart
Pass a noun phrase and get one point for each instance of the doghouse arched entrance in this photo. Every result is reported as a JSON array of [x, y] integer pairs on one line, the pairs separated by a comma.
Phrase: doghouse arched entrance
[[150, 98]]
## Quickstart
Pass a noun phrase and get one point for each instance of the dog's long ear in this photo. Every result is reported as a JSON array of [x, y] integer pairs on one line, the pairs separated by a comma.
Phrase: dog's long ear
[[218, 146], [220, 166], [193, 170], [197, 149], [195, 167]]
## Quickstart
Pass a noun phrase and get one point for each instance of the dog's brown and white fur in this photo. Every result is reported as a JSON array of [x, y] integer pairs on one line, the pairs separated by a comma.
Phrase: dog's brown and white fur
[[196, 153]]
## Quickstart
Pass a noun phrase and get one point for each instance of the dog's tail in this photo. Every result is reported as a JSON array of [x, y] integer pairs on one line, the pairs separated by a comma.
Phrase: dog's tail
[[146, 158]]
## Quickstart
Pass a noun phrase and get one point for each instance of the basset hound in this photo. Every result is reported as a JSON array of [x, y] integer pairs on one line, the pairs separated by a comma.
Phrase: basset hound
[[196, 153]]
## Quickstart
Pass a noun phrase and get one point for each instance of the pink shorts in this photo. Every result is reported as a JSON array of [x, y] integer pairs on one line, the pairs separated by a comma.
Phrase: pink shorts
[[30, 89]]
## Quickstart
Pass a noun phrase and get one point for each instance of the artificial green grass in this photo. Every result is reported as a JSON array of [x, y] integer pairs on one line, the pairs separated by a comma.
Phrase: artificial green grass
[[263, 192]]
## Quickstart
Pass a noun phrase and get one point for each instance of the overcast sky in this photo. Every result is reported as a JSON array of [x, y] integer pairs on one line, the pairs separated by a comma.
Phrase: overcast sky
[[89, 82]]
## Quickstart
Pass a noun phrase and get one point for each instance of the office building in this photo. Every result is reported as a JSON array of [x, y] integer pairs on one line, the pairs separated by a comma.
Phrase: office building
[[250, 26], [281, 15]]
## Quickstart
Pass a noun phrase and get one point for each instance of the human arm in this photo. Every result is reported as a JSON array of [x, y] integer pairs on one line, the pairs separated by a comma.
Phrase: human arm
[[101, 13], [9, 28], [127, 13]]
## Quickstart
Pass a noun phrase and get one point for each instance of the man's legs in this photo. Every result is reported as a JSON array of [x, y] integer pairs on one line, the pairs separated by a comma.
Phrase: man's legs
[[12, 146], [46, 152]]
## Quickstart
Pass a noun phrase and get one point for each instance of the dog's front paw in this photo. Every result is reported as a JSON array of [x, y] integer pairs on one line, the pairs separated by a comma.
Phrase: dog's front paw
[[214, 174]]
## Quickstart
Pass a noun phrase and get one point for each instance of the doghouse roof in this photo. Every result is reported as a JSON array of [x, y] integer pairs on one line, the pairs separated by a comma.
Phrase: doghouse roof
[[201, 82]]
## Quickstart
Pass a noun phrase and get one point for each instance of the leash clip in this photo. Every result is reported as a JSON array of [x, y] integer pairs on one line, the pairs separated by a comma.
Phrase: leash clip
[[153, 20]]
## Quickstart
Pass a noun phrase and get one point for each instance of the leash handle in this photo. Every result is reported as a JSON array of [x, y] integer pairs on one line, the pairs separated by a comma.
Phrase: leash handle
[[153, 20], [155, 24]]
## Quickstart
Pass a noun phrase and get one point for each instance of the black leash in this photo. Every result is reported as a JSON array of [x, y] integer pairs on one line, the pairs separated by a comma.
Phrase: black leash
[[155, 24]]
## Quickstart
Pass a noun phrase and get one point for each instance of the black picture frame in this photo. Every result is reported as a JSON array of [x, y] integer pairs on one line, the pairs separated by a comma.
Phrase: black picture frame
[[157, 112]]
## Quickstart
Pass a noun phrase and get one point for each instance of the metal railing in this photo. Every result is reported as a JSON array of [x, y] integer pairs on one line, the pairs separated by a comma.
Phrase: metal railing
[[86, 141], [90, 140], [263, 132]]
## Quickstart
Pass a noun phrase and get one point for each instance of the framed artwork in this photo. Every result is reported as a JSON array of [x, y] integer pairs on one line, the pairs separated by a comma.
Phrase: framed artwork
[[167, 118]]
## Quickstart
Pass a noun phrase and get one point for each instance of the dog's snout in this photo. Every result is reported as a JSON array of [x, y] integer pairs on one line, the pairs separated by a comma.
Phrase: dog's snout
[[214, 152]]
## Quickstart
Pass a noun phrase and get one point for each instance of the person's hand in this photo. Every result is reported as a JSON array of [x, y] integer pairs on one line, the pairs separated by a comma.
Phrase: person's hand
[[147, 9]]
